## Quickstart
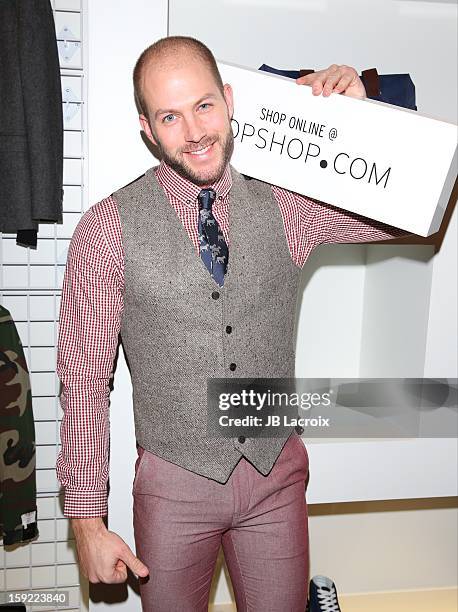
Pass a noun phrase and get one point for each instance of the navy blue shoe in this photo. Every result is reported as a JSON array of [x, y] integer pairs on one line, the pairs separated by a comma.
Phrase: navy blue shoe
[[322, 595]]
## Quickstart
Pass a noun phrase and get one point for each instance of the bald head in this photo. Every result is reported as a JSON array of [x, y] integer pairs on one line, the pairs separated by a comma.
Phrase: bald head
[[166, 53]]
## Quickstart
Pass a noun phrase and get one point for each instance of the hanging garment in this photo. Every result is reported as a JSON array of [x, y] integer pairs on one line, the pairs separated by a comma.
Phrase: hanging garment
[[31, 125], [18, 509]]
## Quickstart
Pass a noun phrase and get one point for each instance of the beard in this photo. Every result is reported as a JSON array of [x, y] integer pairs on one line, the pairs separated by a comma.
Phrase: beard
[[203, 177]]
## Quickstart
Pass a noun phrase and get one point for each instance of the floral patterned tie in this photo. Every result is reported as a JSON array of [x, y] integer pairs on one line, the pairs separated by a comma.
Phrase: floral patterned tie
[[213, 248]]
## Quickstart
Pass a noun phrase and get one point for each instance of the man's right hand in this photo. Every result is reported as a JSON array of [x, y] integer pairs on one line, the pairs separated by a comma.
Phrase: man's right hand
[[103, 555]]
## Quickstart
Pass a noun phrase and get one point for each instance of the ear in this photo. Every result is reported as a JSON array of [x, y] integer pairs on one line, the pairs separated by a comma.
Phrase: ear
[[229, 97], [146, 127]]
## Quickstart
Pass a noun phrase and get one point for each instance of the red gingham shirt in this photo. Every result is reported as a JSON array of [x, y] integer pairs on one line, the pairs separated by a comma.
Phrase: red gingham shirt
[[92, 305]]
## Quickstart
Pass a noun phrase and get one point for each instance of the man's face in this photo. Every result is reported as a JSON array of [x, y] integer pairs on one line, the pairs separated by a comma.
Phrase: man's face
[[189, 119]]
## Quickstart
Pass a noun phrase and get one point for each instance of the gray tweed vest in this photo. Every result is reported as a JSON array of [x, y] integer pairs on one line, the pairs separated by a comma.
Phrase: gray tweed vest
[[175, 318]]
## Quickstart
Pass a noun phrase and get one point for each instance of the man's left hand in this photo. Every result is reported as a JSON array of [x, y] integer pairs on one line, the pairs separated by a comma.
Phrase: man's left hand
[[335, 79]]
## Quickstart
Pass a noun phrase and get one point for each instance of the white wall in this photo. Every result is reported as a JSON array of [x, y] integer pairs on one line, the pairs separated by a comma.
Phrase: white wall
[[441, 346], [117, 34]]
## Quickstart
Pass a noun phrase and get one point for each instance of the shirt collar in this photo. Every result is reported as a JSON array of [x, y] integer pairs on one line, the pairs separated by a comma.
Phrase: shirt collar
[[186, 191]]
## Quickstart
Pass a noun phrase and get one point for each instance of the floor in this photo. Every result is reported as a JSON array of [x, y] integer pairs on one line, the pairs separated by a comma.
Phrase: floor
[[437, 600]]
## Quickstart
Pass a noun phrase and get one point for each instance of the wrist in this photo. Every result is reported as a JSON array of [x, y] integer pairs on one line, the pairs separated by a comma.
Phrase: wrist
[[87, 525]]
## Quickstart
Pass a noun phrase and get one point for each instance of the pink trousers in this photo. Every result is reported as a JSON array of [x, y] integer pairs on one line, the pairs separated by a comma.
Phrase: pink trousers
[[181, 519]]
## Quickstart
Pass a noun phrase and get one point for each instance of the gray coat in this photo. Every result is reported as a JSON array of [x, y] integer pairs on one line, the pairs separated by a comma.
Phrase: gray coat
[[31, 128]]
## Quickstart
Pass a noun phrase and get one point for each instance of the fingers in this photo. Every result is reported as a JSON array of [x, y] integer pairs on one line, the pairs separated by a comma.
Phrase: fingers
[[337, 82], [133, 562], [334, 79], [119, 572], [104, 557], [306, 79]]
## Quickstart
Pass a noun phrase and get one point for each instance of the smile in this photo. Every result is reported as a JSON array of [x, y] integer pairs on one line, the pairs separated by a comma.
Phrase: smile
[[200, 151]]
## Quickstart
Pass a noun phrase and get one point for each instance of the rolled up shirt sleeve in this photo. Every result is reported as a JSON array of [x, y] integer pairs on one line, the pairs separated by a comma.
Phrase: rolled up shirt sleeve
[[89, 324]]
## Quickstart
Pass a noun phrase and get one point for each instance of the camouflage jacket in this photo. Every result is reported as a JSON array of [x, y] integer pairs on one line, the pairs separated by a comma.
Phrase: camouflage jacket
[[18, 509]]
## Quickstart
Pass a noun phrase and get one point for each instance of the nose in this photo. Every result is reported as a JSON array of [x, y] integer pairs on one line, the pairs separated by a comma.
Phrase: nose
[[194, 130]]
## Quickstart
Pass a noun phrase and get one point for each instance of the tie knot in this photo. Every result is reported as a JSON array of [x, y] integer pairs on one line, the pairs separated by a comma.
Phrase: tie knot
[[206, 198]]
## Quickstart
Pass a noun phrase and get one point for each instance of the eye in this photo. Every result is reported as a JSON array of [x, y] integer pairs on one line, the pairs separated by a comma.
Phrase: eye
[[205, 105], [168, 118]]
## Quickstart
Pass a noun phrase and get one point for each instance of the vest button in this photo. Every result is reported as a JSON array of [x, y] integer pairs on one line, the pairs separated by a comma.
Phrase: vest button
[[232, 366], [299, 429], [228, 329], [242, 439], [215, 295]]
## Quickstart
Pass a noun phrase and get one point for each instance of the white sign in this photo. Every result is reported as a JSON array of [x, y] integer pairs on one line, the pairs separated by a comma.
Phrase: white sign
[[381, 161]]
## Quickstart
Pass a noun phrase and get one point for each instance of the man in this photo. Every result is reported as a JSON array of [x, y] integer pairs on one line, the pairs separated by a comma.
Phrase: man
[[198, 269]]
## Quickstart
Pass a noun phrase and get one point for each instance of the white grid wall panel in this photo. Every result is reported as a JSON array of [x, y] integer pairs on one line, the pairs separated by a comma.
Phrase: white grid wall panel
[[30, 285]]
